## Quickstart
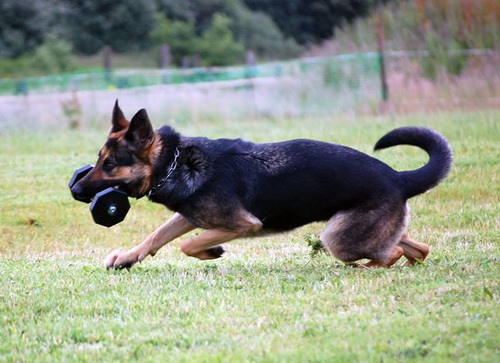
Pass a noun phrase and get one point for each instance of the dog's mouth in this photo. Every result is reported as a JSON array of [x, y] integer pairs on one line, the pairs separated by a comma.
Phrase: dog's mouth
[[125, 188], [133, 190], [82, 198]]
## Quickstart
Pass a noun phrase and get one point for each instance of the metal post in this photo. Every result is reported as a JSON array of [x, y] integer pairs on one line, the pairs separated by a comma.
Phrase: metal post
[[380, 44]]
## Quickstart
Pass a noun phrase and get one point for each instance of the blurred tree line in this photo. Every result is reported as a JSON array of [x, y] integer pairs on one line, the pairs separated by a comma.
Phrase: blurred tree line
[[219, 31]]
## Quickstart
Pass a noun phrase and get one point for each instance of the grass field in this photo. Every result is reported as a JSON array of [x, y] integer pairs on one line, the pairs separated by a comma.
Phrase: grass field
[[267, 299]]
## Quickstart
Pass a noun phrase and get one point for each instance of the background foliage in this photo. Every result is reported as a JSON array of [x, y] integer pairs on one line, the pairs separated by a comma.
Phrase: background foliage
[[270, 28], [309, 21], [273, 29]]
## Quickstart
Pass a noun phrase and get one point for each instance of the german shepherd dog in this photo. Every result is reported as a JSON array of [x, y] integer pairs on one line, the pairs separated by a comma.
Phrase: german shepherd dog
[[236, 188]]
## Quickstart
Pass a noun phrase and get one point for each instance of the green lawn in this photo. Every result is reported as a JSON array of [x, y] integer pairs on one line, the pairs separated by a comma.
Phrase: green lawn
[[267, 299]]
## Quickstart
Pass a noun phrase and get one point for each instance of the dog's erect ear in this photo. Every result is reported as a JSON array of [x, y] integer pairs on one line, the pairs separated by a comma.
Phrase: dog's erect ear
[[118, 121], [140, 130]]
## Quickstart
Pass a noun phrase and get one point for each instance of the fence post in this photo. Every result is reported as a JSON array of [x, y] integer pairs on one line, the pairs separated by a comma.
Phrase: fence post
[[107, 54], [196, 61], [250, 62], [250, 73], [380, 46], [250, 58], [164, 56]]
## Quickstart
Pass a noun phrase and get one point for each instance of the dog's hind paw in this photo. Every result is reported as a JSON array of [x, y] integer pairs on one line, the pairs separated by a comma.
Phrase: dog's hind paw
[[215, 252]]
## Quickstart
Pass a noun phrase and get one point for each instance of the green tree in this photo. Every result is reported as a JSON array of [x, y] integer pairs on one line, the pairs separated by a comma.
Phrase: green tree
[[217, 45], [22, 26], [254, 29], [124, 25], [179, 35], [53, 56], [311, 21], [258, 32]]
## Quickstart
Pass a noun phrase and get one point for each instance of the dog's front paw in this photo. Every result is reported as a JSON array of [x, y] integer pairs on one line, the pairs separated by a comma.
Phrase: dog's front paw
[[120, 259]]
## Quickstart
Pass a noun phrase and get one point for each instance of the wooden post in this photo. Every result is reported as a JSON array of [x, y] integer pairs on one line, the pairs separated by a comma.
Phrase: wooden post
[[380, 44], [107, 53], [196, 61], [250, 58], [251, 72], [164, 56]]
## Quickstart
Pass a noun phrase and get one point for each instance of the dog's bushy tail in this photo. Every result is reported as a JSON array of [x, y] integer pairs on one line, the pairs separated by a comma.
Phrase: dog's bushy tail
[[440, 157]]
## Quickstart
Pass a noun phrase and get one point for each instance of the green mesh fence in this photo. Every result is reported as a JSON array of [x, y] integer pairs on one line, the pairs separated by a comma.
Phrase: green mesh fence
[[337, 72], [307, 87]]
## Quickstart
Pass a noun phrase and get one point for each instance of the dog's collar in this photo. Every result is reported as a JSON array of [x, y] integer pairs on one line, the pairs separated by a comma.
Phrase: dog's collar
[[171, 169]]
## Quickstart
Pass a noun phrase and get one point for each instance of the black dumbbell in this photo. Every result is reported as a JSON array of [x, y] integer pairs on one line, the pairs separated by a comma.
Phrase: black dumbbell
[[109, 206], [77, 176]]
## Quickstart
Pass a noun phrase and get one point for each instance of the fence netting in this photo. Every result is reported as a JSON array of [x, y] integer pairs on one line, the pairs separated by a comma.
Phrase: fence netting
[[308, 87]]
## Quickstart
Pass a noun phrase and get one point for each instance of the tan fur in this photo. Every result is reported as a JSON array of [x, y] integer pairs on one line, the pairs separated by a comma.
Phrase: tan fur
[[197, 246], [175, 227], [150, 157], [413, 251], [367, 233], [395, 254]]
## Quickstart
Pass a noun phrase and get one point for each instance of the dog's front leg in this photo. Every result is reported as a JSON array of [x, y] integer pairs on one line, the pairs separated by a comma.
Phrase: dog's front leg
[[175, 227], [202, 246]]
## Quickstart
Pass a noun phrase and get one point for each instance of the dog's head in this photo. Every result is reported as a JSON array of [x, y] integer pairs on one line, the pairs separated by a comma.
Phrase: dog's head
[[126, 159]]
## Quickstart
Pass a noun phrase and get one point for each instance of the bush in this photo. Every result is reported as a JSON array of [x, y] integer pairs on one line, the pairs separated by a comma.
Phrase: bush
[[23, 25], [217, 45], [259, 33], [123, 25], [254, 29], [179, 35], [54, 56], [442, 55]]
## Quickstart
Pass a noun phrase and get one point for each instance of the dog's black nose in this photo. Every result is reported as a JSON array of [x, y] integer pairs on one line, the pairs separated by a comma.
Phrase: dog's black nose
[[78, 193]]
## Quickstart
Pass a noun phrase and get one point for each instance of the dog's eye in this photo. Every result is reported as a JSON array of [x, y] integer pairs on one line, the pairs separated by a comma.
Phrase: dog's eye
[[108, 165]]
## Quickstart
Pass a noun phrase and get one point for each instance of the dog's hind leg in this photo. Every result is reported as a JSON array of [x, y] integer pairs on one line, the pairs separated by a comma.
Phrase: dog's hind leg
[[389, 259], [175, 227], [413, 251], [368, 232]]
